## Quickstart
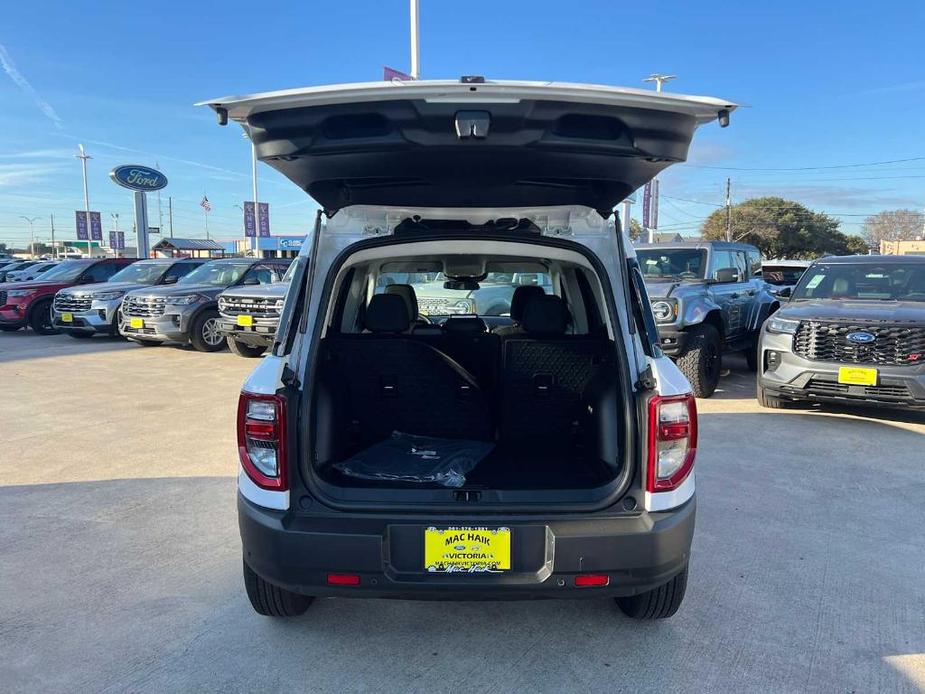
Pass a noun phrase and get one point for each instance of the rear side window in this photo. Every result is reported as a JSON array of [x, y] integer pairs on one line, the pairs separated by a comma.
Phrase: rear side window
[[180, 270], [101, 272]]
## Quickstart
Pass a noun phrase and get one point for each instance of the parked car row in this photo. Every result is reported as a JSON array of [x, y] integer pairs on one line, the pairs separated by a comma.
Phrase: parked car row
[[151, 302]]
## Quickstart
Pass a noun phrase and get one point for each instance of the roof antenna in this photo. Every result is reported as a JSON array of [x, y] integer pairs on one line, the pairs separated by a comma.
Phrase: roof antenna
[[659, 79]]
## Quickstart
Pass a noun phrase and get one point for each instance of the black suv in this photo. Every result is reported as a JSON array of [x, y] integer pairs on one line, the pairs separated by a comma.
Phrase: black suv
[[853, 332]]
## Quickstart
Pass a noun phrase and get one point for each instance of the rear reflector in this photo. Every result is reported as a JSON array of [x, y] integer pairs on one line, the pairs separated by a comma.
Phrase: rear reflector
[[343, 580], [592, 580]]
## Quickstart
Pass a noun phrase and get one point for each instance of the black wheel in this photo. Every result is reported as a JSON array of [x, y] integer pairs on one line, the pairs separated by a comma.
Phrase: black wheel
[[658, 603], [772, 402], [9, 328], [273, 601], [205, 335], [40, 318], [244, 350], [80, 336], [702, 360]]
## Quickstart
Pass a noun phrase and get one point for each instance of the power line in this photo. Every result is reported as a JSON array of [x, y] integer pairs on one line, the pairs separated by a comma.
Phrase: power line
[[808, 168]]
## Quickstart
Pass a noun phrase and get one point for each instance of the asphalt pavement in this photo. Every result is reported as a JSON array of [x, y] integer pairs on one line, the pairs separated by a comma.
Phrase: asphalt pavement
[[120, 565]]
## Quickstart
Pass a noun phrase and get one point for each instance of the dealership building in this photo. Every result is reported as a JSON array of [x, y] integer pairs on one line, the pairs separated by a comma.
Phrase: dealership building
[[916, 247], [267, 246]]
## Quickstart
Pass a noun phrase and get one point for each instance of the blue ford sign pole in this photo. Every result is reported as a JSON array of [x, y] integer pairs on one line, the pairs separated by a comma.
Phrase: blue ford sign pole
[[140, 180]]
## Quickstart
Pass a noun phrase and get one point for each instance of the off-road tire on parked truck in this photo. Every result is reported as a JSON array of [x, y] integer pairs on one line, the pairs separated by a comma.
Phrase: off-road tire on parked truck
[[198, 337], [40, 318], [244, 350], [701, 362], [273, 601], [658, 603]]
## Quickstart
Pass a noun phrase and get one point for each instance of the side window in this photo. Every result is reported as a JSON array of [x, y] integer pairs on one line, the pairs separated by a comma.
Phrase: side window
[[179, 270], [280, 271], [754, 263], [741, 264], [719, 261], [101, 272]]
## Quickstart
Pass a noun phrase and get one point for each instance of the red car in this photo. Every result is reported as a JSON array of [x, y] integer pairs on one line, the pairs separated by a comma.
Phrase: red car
[[29, 303]]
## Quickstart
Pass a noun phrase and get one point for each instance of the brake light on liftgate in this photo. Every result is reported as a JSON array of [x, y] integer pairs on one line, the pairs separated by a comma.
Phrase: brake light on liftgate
[[262, 439], [672, 441]]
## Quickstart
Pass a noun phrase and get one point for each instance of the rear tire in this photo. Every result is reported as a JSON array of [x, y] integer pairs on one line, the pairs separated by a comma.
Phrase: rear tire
[[272, 601], [702, 360], [658, 603], [751, 358], [243, 350], [40, 319], [204, 334]]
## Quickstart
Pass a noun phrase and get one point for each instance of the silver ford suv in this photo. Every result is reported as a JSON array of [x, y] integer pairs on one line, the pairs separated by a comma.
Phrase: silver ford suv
[[86, 311], [187, 312]]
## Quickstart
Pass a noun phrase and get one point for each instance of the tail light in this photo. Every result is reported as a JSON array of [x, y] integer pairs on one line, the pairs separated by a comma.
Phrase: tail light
[[262, 439], [672, 441]]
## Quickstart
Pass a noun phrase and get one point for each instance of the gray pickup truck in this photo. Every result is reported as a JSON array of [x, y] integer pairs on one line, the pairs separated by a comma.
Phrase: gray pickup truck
[[249, 316], [708, 298]]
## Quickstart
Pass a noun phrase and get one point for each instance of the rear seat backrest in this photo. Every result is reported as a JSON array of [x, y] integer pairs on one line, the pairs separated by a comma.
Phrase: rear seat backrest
[[466, 339], [547, 376], [389, 382], [519, 300]]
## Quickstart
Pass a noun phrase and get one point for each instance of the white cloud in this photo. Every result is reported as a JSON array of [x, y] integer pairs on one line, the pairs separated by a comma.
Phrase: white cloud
[[6, 62], [12, 175]]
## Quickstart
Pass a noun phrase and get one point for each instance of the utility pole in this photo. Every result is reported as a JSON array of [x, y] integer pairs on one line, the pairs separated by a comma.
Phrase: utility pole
[[415, 44], [160, 216], [54, 246], [83, 156], [729, 209], [31, 221], [170, 213], [659, 80]]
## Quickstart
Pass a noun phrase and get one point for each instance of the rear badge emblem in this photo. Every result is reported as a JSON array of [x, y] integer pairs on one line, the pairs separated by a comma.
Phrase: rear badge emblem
[[861, 337]]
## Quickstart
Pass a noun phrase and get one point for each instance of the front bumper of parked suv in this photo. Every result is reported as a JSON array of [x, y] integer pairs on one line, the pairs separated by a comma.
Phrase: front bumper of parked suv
[[100, 317], [789, 376]]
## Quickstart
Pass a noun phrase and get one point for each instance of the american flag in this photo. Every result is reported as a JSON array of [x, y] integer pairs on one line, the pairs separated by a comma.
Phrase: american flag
[[205, 204]]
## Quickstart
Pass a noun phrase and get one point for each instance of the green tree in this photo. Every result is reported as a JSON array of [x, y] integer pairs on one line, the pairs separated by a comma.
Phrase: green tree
[[779, 228], [856, 245]]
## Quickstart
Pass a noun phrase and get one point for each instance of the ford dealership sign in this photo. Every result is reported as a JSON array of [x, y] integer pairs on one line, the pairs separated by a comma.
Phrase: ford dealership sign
[[141, 178]]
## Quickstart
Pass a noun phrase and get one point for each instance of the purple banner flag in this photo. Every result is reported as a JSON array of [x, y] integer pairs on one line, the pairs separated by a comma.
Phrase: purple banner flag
[[263, 221], [96, 227], [389, 74], [82, 233], [646, 202], [250, 220], [654, 214]]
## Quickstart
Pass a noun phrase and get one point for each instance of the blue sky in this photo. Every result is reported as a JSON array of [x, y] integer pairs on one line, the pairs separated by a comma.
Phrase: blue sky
[[825, 85]]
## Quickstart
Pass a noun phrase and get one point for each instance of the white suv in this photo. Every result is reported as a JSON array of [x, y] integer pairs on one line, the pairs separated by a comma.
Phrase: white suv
[[387, 451]]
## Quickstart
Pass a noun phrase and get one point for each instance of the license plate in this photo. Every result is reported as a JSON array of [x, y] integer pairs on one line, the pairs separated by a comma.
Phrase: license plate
[[857, 376], [467, 550], [136, 323], [245, 321], [67, 317]]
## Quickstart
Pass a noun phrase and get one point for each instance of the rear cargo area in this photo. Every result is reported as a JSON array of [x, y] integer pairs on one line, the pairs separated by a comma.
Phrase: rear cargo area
[[532, 408]]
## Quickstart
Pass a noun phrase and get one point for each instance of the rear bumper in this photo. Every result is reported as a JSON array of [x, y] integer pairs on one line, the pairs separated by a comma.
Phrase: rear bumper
[[261, 334], [637, 552], [800, 379]]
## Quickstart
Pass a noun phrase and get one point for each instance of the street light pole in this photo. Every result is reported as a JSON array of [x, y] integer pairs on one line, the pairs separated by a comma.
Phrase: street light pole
[[415, 42], [31, 221], [83, 156]]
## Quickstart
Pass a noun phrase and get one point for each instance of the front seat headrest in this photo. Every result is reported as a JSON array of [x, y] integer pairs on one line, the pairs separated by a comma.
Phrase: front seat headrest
[[521, 298], [546, 315], [406, 292], [387, 313], [464, 325], [841, 287]]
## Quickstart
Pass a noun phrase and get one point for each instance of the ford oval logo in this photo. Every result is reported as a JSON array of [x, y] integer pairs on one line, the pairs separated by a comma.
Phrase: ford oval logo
[[861, 337], [135, 177]]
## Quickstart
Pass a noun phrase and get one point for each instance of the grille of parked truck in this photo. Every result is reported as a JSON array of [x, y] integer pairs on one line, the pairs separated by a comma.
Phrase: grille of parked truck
[[853, 332], [545, 450], [187, 311], [708, 298], [82, 312]]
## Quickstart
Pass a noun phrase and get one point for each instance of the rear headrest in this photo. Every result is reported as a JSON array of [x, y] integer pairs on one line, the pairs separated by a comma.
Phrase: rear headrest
[[387, 313], [521, 298], [546, 315], [406, 292], [465, 325]]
